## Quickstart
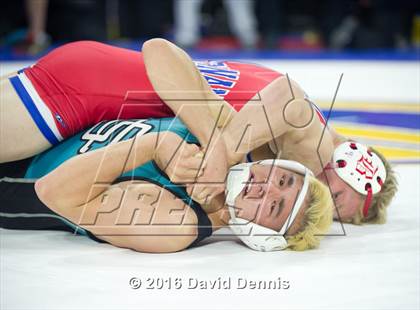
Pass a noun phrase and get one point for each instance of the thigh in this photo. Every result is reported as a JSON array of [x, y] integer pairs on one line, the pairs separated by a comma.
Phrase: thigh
[[19, 136]]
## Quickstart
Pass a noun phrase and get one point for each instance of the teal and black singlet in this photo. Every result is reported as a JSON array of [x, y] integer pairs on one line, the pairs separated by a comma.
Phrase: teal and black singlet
[[20, 207]]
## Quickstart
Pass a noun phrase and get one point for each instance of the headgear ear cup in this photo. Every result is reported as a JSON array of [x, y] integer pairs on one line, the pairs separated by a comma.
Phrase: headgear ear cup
[[236, 181], [364, 171]]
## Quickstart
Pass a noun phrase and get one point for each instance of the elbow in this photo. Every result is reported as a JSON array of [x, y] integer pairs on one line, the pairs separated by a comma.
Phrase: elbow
[[176, 240], [160, 50], [156, 52], [155, 44], [43, 191], [182, 242]]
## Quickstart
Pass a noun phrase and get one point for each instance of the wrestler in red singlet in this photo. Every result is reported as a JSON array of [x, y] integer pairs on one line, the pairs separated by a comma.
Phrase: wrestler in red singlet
[[86, 82]]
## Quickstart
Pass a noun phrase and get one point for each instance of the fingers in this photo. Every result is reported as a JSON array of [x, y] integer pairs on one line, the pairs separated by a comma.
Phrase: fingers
[[191, 149], [192, 158], [194, 151], [203, 194], [199, 154], [182, 175], [193, 163], [186, 170]]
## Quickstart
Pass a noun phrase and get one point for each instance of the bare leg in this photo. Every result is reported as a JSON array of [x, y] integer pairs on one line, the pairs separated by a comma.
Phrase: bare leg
[[19, 136]]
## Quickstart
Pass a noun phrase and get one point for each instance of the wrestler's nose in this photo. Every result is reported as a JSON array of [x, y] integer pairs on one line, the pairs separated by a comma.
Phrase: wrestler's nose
[[256, 191], [273, 191], [259, 190]]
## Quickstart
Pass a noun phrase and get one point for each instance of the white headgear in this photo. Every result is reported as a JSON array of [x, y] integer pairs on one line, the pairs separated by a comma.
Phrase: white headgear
[[253, 235], [361, 169]]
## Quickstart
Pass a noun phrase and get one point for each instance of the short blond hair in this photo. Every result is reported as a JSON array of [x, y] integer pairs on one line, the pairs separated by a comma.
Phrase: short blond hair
[[317, 218], [380, 201]]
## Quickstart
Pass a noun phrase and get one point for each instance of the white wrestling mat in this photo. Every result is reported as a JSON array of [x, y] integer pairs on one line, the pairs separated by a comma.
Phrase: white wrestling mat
[[371, 267], [366, 267]]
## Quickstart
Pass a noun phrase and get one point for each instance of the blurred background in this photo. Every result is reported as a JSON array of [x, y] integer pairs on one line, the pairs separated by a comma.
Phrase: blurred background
[[29, 27], [358, 60]]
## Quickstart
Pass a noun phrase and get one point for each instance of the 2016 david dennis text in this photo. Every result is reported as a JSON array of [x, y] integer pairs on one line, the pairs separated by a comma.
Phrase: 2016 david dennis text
[[238, 283], [219, 283]]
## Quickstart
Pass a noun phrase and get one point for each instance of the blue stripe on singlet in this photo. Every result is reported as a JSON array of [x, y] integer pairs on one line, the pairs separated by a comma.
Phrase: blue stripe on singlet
[[33, 111]]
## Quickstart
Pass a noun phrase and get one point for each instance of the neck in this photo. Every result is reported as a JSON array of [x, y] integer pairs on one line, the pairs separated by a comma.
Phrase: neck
[[328, 173], [337, 138], [325, 174]]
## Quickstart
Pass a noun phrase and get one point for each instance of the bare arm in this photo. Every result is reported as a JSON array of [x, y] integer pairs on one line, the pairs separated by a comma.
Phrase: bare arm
[[179, 83], [80, 190], [137, 215], [73, 183], [280, 110]]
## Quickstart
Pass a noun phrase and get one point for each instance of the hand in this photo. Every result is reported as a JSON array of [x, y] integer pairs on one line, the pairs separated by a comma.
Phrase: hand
[[181, 161], [212, 182]]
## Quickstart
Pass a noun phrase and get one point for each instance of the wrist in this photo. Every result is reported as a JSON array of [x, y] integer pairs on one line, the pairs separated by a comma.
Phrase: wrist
[[215, 146], [232, 153], [213, 137], [165, 144]]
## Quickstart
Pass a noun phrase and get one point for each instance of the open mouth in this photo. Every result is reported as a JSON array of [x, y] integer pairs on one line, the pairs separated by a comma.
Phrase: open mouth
[[248, 185]]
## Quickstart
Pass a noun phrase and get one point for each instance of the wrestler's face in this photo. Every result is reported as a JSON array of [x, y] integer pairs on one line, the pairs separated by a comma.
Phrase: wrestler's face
[[346, 199], [269, 196]]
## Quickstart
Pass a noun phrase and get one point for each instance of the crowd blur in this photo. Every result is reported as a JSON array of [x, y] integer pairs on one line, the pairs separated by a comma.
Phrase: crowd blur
[[32, 25]]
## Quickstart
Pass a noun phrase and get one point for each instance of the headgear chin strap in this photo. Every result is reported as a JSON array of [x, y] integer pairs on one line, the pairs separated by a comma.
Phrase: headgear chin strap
[[362, 169], [255, 236]]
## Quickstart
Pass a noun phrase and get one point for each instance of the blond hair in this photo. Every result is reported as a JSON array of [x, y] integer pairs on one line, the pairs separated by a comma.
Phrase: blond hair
[[317, 218], [380, 201]]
